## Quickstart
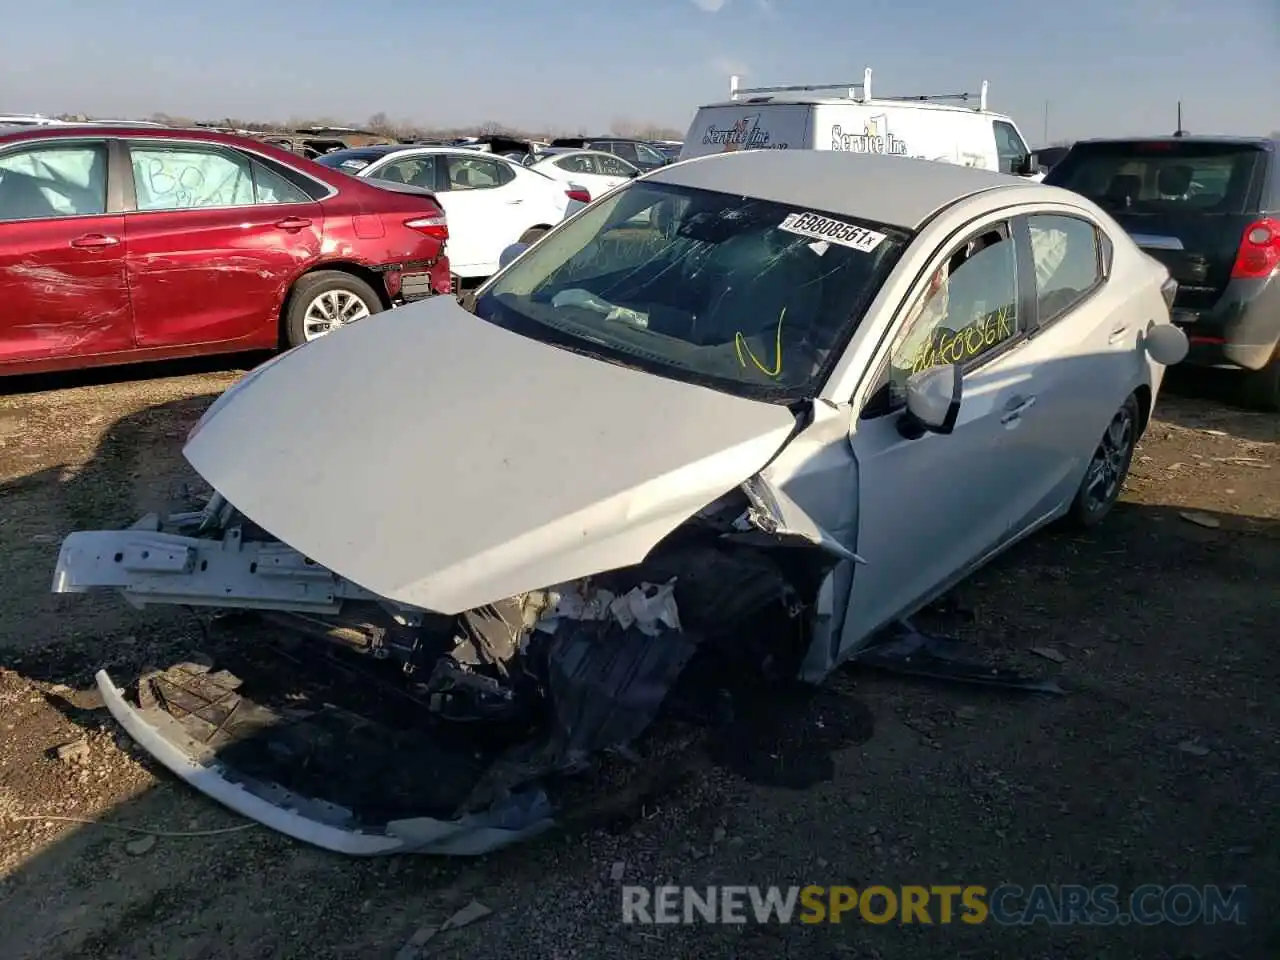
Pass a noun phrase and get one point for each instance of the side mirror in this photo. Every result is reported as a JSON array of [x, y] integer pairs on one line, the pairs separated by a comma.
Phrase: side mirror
[[509, 254], [933, 398], [1166, 344], [1025, 167]]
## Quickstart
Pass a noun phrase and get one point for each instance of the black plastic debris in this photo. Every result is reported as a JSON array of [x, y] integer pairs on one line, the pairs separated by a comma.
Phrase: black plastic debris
[[606, 684], [906, 650]]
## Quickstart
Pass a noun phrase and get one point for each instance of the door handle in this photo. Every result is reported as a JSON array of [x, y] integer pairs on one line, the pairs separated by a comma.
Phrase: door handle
[[94, 241], [1016, 408], [514, 202], [293, 223], [1117, 334]]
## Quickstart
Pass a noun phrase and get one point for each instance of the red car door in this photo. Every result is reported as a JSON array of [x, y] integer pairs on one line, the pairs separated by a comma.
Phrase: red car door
[[62, 255], [215, 240]]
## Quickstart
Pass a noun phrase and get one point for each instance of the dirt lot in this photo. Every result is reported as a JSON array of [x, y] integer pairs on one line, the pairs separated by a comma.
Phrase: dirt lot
[[1161, 765]]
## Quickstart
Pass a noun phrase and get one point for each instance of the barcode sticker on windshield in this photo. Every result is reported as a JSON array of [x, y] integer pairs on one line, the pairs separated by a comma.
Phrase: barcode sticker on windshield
[[818, 227]]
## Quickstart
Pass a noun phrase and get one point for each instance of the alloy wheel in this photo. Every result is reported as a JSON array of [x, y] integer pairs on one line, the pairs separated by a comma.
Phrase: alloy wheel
[[330, 310], [1110, 461]]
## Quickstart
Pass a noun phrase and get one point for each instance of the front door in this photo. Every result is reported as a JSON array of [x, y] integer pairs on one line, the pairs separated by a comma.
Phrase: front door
[[214, 243], [486, 209], [62, 255], [930, 507]]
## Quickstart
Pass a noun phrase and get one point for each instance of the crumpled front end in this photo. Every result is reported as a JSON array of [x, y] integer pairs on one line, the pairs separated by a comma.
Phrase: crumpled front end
[[368, 726]]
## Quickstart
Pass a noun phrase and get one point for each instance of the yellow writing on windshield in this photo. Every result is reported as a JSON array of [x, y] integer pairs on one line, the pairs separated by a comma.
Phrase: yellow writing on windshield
[[959, 346]]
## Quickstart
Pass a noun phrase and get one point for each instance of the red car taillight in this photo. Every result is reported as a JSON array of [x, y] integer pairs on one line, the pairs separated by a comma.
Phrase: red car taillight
[[1259, 252], [433, 226], [580, 195]]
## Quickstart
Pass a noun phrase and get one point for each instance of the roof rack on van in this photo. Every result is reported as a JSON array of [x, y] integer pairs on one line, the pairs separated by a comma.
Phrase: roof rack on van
[[856, 91]]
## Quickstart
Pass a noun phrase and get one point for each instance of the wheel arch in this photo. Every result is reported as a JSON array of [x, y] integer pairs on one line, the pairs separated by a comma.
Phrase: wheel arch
[[1143, 395], [357, 270]]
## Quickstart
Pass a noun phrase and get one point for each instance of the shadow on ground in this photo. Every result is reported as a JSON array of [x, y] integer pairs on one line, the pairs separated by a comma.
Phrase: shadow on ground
[[1221, 387], [1158, 767], [16, 385]]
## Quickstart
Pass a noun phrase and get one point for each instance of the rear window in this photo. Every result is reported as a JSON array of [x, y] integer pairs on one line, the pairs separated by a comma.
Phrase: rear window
[[1163, 176], [351, 160]]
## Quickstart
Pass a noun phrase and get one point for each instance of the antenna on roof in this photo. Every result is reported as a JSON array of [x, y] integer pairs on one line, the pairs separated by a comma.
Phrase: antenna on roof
[[1180, 132]]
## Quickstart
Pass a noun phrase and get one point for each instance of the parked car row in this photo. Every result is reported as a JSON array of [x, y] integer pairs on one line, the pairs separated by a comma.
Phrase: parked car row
[[491, 202], [120, 244], [1208, 208]]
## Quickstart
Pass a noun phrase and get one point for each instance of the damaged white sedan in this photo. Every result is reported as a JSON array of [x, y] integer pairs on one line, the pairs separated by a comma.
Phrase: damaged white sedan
[[738, 416]]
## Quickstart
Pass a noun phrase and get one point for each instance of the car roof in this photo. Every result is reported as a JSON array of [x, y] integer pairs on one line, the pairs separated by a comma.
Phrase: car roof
[[899, 191], [574, 151], [1227, 139], [462, 148], [373, 148], [73, 131]]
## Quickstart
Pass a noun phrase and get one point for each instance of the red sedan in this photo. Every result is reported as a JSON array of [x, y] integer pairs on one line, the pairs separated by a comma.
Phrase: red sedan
[[121, 244]]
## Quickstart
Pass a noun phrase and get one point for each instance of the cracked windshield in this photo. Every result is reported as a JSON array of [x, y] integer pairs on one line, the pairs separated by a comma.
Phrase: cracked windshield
[[744, 295]]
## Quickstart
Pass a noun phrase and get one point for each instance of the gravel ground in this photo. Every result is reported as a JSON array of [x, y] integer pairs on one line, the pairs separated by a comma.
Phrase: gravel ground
[[1159, 766]]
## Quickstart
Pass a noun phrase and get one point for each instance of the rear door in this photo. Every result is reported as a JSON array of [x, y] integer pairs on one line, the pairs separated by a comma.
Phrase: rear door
[[1186, 202], [62, 254], [214, 242], [612, 171], [748, 126], [579, 169], [486, 209]]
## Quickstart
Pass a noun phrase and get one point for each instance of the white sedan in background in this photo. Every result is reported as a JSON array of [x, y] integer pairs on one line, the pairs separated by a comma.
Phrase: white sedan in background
[[748, 410], [597, 171], [490, 202]]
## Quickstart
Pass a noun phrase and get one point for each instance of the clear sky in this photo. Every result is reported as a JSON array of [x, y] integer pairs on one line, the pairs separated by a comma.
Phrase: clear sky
[[1106, 67]]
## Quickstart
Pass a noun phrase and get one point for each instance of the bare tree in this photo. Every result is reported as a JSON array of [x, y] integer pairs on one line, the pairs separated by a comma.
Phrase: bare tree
[[655, 132], [490, 128], [380, 123]]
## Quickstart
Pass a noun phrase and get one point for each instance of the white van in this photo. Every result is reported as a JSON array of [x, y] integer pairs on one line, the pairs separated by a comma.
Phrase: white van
[[925, 126]]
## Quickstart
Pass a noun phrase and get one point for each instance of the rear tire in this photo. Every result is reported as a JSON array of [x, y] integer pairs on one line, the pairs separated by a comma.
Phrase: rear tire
[[325, 300], [1104, 477], [1260, 389], [532, 235]]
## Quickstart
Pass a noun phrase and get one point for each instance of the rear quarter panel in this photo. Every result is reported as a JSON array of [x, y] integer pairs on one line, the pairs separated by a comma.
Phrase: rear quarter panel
[[364, 225]]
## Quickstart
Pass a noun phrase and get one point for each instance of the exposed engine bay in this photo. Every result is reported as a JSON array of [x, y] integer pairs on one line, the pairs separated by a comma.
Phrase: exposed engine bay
[[363, 726]]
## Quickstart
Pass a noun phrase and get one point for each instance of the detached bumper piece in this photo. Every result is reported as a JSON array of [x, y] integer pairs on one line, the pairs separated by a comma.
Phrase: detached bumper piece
[[188, 748]]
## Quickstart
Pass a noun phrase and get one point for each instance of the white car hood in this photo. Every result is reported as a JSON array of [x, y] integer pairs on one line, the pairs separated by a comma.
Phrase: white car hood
[[443, 462]]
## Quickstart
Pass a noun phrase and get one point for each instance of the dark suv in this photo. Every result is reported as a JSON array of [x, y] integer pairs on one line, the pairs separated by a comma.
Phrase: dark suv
[[1209, 209]]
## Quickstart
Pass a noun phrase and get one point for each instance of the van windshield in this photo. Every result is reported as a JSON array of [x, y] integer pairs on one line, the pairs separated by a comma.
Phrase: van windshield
[[1161, 176], [747, 296]]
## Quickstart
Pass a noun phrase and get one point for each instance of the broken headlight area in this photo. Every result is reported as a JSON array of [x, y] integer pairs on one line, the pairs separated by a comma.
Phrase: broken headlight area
[[363, 726]]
